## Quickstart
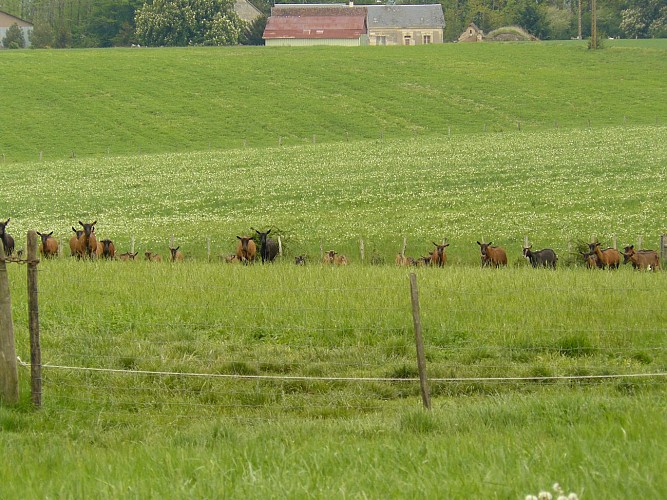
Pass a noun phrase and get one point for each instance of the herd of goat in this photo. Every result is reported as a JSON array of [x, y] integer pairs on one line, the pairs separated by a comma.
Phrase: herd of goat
[[84, 244]]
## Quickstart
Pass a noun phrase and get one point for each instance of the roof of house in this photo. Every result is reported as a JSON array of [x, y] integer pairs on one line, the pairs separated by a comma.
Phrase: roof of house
[[7, 20], [321, 26], [316, 21], [246, 10], [405, 16], [303, 10]]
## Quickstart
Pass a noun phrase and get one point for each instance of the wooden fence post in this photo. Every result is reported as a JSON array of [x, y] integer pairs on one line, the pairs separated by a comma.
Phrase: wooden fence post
[[421, 359], [9, 376], [33, 323], [208, 249], [280, 246], [361, 250], [663, 246]]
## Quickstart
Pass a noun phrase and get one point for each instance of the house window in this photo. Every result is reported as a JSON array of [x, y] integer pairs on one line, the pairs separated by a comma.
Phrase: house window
[[407, 40], [426, 39], [381, 40]]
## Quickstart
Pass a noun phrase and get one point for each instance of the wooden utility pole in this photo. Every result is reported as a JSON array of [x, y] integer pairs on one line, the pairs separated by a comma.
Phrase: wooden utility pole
[[579, 23]]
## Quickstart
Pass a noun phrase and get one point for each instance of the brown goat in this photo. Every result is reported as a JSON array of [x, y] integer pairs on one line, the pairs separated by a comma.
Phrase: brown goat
[[246, 249], [492, 256], [7, 240], [438, 256], [329, 257], [74, 241], [176, 255], [49, 246], [128, 256], [642, 259], [87, 244], [332, 258], [591, 260], [404, 260], [106, 249], [341, 260], [609, 257], [423, 261], [152, 257]]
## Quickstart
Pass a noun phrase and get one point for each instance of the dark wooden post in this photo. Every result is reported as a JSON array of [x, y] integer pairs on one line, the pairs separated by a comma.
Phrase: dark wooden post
[[594, 26], [33, 323], [421, 359], [9, 376]]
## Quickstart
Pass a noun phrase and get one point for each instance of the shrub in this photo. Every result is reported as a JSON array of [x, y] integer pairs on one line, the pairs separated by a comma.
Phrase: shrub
[[14, 38]]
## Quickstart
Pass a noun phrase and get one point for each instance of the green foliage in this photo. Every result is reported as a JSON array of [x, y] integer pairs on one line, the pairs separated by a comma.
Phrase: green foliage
[[14, 38], [42, 35], [188, 22], [253, 34]]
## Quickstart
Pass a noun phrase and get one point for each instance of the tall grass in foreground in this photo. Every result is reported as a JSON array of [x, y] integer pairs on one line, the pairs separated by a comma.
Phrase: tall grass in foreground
[[132, 434]]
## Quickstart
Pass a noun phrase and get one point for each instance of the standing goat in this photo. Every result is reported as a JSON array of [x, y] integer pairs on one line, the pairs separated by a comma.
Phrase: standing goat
[[49, 246], [106, 249], [438, 256], [87, 244], [492, 256], [74, 241], [541, 258], [268, 248], [609, 257], [7, 240], [246, 249], [176, 254], [642, 259]]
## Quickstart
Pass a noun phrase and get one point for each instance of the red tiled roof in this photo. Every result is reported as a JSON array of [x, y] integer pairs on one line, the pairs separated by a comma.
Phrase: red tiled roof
[[316, 26]]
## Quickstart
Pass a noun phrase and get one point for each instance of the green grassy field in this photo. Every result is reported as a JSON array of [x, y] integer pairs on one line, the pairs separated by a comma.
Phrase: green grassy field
[[125, 101], [213, 380]]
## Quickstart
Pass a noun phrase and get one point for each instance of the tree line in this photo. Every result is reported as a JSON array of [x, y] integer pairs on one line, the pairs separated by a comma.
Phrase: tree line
[[113, 23]]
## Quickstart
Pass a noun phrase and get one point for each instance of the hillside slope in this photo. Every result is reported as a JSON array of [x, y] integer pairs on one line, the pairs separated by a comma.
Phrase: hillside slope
[[59, 104]]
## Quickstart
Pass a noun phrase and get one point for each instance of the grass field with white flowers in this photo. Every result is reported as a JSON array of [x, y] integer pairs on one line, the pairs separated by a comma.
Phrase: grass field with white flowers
[[204, 379]]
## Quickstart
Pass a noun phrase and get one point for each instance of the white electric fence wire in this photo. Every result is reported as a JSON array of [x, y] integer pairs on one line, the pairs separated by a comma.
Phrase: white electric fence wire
[[348, 379]]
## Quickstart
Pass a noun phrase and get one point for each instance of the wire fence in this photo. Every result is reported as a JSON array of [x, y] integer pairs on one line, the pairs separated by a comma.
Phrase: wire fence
[[128, 342]]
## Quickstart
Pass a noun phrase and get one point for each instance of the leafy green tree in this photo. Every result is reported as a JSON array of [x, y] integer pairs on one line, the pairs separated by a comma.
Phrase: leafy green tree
[[532, 18], [253, 34], [658, 27], [41, 35], [188, 22], [112, 22], [14, 38]]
